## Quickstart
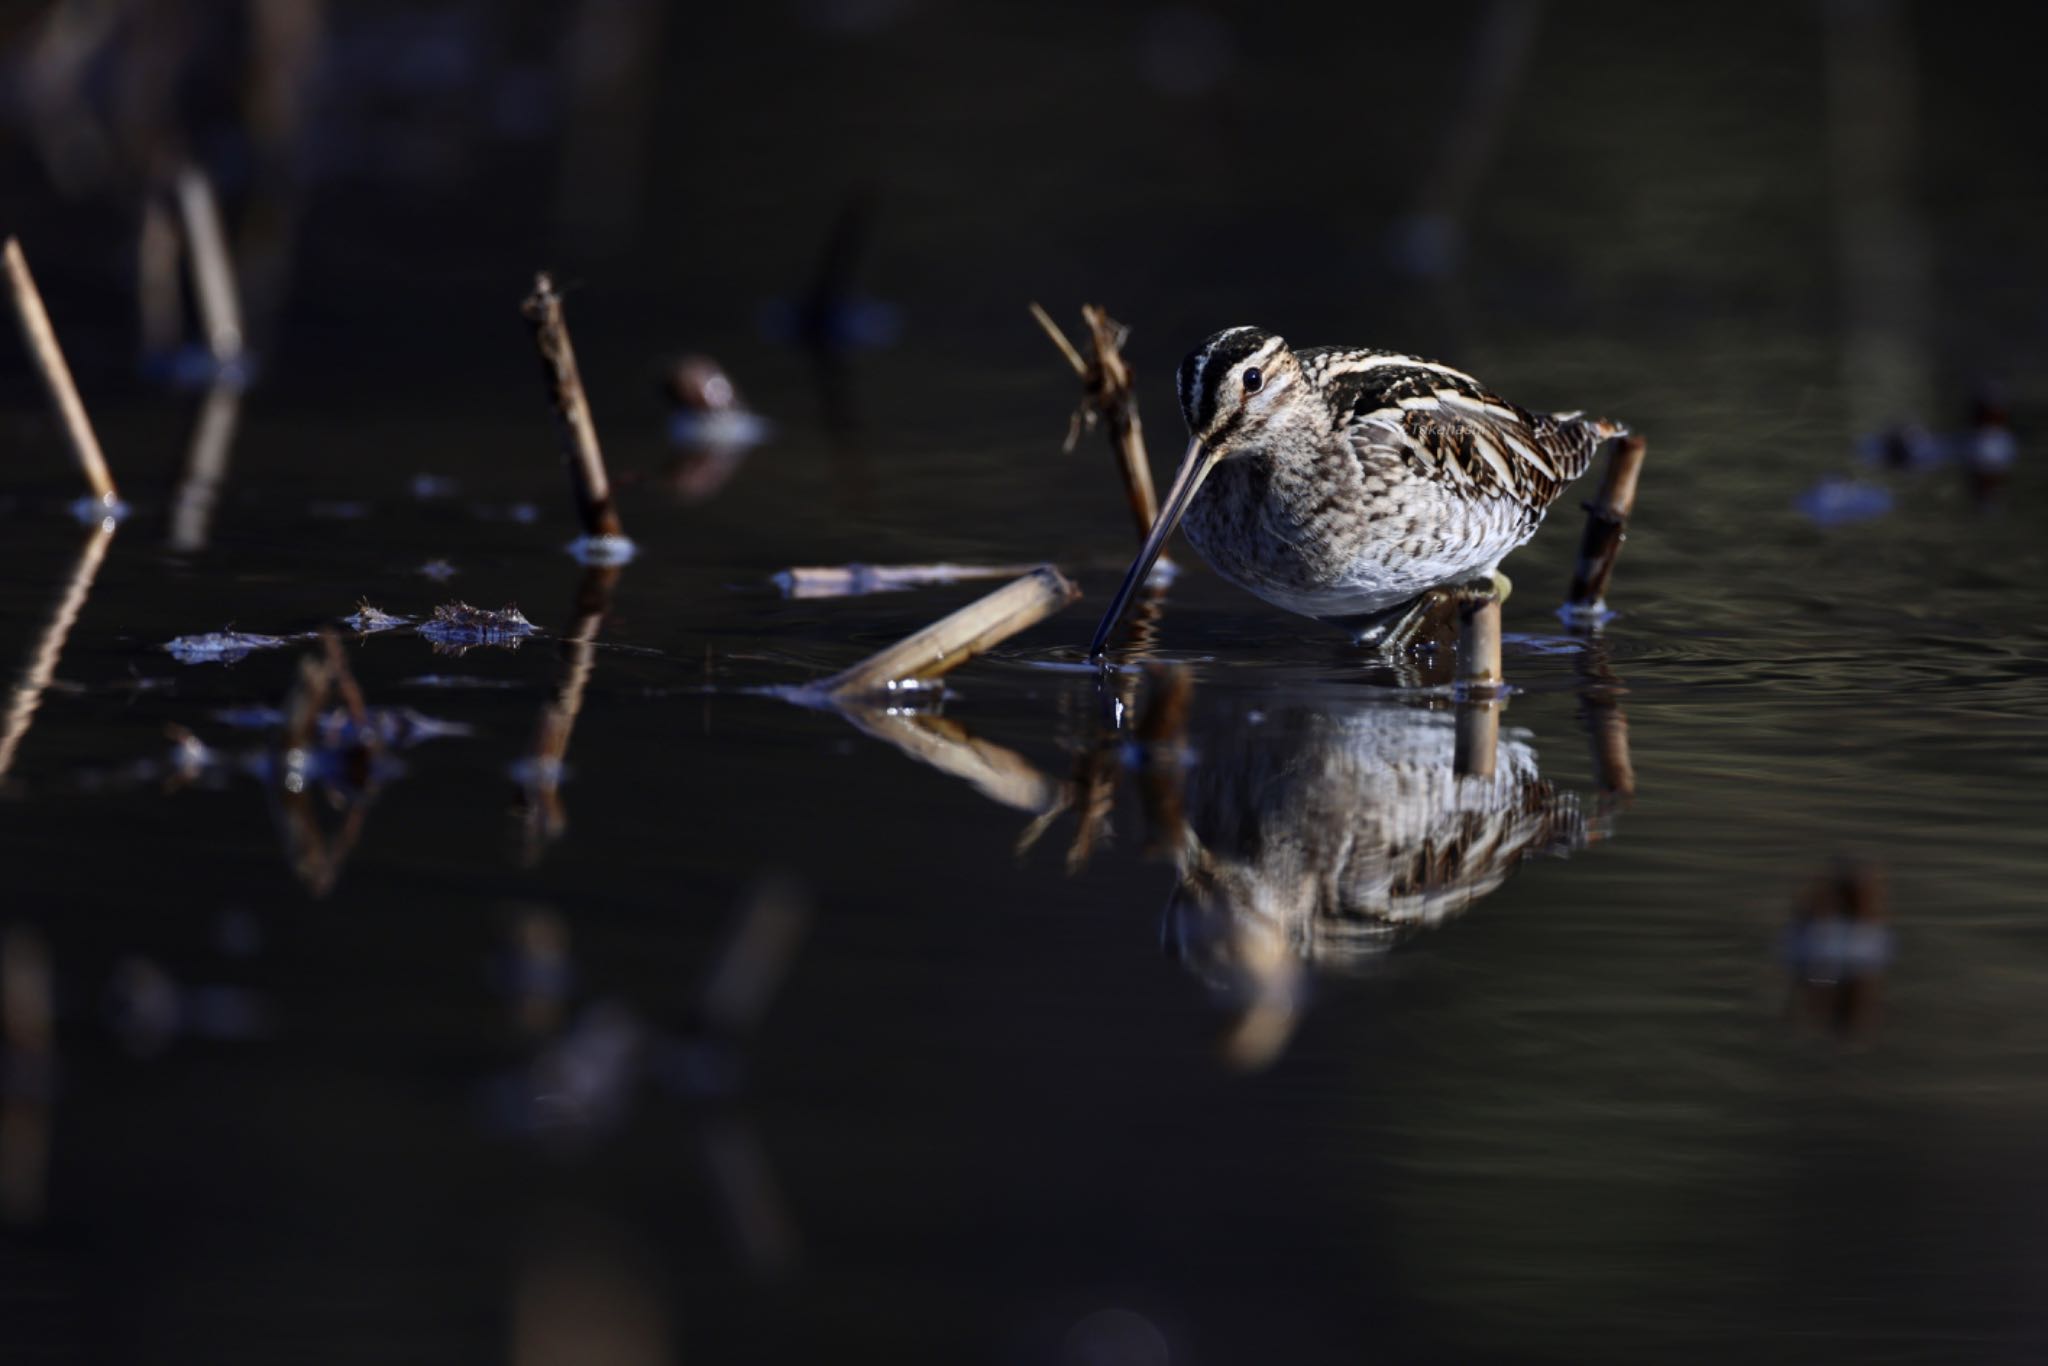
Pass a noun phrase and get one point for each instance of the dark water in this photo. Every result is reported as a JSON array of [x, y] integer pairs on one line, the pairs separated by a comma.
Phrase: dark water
[[1569, 1105]]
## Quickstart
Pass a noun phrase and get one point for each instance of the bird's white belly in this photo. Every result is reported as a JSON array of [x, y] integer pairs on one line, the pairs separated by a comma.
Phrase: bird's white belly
[[1347, 565]]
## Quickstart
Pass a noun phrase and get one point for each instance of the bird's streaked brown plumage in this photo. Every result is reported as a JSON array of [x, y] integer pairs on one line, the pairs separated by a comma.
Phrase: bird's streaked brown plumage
[[1341, 483]]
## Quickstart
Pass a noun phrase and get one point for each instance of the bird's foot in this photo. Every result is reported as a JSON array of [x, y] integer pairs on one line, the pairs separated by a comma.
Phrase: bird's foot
[[1421, 623], [1429, 623]]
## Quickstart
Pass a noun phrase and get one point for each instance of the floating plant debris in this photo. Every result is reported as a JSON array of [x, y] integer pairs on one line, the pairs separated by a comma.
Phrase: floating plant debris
[[856, 580], [458, 626], [368, 620], [223, 647]]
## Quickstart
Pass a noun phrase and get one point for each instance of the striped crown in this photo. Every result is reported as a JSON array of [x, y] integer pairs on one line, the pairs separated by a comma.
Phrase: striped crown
[[1209, 368]]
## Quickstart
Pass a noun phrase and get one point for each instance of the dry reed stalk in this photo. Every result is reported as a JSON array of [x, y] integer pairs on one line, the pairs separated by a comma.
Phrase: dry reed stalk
[[41, 338], [543, 310], [213, 275], [1478, 682], [1109, 393], [855, 580], [952, 641], [1606, 528], [42, 665]]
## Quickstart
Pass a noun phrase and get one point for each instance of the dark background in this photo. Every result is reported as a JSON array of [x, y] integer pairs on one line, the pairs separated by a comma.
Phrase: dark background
[[1584, 1122]]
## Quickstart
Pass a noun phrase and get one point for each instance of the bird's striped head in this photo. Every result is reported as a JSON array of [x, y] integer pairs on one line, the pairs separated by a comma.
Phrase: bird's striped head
[[1234, 384]]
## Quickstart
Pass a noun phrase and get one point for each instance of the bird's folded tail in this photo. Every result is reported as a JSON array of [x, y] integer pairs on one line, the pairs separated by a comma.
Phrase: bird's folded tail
[[1579, 438]]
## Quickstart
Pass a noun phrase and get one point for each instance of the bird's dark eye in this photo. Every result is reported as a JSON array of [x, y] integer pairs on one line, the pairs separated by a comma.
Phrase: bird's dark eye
[[1252, 380]]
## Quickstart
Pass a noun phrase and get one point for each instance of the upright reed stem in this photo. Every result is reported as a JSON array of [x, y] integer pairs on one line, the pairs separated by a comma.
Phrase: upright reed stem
[[1606, 527], [1109, 394], [1479, 680], [543, 309], [42, 344]]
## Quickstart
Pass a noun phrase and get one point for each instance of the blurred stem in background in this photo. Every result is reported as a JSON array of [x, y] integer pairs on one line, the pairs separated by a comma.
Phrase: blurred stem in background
[[1873, 139]]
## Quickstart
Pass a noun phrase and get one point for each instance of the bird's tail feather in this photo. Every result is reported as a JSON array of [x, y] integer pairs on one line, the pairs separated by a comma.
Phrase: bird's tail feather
[[1582, 439]]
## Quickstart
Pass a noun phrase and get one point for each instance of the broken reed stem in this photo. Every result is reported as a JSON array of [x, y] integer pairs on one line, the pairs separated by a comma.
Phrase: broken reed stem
[[42, 665], [49, 357], [1059, 339], [1108, 391], [952, 641], [1606, 527], [213, 275], [1479, 643], [1479, 680], [543, 309], [855, 580]]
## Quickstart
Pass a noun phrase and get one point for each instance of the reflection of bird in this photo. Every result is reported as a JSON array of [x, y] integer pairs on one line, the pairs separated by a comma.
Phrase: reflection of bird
[[1329, 832], [1342, 484]]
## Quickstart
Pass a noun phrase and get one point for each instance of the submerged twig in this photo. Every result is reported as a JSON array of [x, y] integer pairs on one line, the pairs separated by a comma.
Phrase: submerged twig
[[1606, 528], [42, 665], [952, 641], [857, 580], [543, 310], [41, 338], [1108, 392]]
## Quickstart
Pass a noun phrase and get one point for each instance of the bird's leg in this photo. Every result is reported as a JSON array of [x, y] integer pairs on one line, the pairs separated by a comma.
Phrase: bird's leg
[[1430, 623], [1414, 626]]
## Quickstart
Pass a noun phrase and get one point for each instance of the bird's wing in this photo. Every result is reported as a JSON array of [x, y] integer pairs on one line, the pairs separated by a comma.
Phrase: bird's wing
[[1444, 425]]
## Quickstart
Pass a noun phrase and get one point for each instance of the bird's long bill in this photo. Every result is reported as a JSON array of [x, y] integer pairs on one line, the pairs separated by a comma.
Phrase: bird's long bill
[[1194, 468]]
